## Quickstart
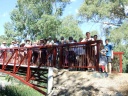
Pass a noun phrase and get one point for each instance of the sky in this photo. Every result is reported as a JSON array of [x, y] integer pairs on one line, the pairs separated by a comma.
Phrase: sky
[[6, 6]]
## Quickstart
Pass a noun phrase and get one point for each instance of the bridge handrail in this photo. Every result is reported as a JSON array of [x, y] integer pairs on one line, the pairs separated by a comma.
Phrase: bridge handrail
[[49, 46]]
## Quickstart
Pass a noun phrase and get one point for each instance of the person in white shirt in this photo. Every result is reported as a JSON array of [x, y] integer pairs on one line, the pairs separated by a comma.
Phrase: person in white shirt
[[41, 42], [90, 61], [88, 37], [4, 45], [13, 44], [50, 41], [28, 43]]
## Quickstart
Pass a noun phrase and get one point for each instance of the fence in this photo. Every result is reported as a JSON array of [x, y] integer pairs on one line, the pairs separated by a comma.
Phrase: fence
[[77, 56]]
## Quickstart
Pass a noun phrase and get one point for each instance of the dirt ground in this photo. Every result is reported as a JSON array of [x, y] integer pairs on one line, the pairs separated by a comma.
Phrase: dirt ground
[[81, 83]]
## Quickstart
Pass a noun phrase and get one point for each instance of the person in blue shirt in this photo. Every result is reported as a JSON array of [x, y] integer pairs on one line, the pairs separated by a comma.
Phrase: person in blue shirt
[[109, 54]]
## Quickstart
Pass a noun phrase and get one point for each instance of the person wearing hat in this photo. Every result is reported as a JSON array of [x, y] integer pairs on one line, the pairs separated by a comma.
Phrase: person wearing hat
[[41, 42], [13, 44], [22, 44], [50, 41], [4, 45], [28, 43]]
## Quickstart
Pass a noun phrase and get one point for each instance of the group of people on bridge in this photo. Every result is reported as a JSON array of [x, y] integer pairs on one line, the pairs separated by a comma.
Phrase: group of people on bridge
[[106, 52]]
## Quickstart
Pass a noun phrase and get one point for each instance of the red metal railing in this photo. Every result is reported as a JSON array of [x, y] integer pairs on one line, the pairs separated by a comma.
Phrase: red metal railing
[[117, 62], [32, 60]]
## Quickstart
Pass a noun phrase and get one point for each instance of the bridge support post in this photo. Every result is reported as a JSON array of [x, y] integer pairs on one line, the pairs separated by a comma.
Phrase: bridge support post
[[50, 79]]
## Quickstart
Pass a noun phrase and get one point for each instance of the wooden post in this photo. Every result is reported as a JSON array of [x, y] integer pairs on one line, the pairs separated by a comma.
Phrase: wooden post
[[120, 58]]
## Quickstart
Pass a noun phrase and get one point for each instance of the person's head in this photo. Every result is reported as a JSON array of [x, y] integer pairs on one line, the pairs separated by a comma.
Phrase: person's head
[[28, 41], [45, 41], [37, 42], [4, 43], [80, 39], [95, 37], [41, 41], [62, 38], [88, 34], [55, 39], [13, 42], [70, 39], [22, 44], [107, 41], [75, 41]]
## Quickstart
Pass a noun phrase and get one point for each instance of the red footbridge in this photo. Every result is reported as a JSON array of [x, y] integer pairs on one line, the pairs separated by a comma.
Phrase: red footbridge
[[31, 65]]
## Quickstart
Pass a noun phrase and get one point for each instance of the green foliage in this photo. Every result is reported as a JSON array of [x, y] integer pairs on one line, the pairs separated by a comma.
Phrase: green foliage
[[48, 26], [119, 38], [20, 90], [69, 27], [101, 9], [3, 38], [29, 13]]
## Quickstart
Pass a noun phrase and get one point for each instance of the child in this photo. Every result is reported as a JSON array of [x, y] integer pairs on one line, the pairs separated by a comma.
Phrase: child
[[103, 59]]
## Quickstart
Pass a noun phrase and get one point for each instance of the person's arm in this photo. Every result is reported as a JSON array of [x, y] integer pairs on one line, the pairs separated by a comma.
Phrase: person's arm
[[112, 54], [83, 40]]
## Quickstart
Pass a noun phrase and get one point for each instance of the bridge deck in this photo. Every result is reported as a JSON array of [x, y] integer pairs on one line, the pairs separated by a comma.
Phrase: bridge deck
[[31, 66]]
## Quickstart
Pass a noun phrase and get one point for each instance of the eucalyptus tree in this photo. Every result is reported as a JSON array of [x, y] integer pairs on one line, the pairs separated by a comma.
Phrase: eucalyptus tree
[[97, 10], [70, 27], [27, 14], [107, 12], [119, 39]]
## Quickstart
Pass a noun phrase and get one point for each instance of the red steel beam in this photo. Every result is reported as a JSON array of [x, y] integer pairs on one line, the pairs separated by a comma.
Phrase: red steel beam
[[25, 82]]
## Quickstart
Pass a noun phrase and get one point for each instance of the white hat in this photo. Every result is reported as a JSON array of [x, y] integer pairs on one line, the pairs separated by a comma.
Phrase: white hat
[[13, 41], [22, 43], [27, 39], [4, 42]]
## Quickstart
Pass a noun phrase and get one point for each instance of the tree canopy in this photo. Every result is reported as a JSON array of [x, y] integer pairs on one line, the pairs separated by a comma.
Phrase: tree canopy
[[28, 13], [97, 10], [109, 13], [69, 27], [119, 39]]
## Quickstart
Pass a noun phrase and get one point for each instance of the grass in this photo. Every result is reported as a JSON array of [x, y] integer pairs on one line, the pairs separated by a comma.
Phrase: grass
[[17, 88], [2, 78], [20, 90]]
